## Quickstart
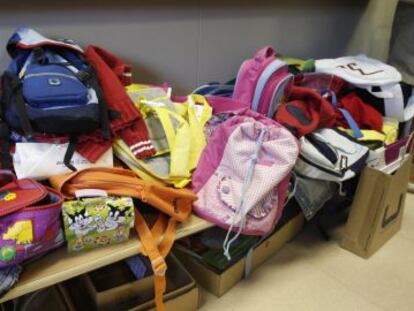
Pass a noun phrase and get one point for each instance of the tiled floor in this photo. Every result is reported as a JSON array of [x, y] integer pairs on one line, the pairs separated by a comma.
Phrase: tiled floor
[[311, 274]]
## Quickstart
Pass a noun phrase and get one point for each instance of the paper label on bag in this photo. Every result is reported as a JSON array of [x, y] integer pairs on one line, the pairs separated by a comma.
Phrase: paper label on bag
[[42, 160]]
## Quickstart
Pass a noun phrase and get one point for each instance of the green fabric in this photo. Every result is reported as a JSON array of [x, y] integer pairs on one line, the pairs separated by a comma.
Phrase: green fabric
[[297, 65], [216, 258]]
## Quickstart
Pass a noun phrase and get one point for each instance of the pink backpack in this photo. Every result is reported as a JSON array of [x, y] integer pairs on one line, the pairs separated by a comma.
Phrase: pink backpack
[[243, 175], [263, 81]]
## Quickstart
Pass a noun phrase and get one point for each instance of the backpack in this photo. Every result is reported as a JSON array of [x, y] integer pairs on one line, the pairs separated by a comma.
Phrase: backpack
[[305, 111], [49, 88], [331, 155], [263, 82], [243, 175], [174, 206], [398, 104], [378, 81], [216, 89], [29, 217]]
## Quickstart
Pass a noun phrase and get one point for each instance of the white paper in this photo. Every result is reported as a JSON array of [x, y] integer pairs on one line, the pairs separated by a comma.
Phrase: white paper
[[43, 160]]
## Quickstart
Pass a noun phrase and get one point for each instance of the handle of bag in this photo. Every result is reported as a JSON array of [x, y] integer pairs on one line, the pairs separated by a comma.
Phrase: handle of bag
[[387, 220], [352, 124], [394, 107], [197, 119], [82, 193], [381, 94], [177, 139], [407, 148], [410, 143], [195, 99], [7, 180], [348, 117], [5, 156], [159, 266], [265, 52]]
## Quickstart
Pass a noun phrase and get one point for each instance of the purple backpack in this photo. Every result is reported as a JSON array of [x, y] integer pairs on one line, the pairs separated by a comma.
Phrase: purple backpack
[[243, 174], [263, 82], [30, 223]]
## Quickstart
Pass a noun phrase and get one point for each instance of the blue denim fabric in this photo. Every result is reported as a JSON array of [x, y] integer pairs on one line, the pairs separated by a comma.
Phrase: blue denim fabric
[[8, 277], [312, 194]]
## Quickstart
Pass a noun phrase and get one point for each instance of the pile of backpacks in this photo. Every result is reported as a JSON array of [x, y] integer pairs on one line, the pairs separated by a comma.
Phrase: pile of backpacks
[[85, 150]]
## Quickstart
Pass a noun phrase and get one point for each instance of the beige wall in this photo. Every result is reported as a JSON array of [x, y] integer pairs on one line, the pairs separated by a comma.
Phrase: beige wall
[[190, 42]]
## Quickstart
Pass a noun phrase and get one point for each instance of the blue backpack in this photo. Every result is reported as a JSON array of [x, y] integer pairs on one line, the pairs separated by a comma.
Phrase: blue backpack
[[49, 88], [216, 89]]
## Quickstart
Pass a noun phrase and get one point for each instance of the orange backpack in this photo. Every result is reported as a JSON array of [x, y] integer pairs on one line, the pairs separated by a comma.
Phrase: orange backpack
[[175, 203]]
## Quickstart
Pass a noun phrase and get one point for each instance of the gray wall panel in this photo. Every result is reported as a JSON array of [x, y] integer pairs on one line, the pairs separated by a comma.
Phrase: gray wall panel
[[189, 42]]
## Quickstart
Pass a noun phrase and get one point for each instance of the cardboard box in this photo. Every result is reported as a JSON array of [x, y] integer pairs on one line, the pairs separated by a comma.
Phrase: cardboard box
[[412, 171], [114, 284], [220, 283], [114, 290], [49, 298], [377, 210], [176, 300]]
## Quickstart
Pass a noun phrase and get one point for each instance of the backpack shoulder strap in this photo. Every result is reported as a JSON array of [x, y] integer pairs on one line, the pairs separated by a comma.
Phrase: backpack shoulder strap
[[13, 95], [87, 75], [159, 267], [176, 203], [5, 156]]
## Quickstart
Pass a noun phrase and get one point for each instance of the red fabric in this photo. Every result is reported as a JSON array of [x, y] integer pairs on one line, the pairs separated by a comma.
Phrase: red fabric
[[90, 146], [113, 74], [364, 115], [93, 146], [305, 112], [320, 82]]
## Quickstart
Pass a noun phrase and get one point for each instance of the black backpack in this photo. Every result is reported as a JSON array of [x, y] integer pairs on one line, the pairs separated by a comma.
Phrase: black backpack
[[50, 88]]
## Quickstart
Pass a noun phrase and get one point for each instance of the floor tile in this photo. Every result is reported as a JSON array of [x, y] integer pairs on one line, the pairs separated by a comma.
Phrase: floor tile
[[310, 273], [287, 282]]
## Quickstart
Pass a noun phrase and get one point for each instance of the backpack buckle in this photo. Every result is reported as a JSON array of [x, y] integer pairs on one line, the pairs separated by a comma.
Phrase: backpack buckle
[[83, 75], [158, 266], [39, 55], [343, 162]]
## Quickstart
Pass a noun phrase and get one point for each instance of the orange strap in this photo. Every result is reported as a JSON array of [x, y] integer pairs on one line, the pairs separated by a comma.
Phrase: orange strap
[[159, 226], [157, 242], [176, 203], [157, 260], [158, 229], [169, 238], [147, 237]]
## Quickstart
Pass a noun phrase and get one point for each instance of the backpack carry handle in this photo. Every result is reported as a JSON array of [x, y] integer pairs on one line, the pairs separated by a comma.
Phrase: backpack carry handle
[[7, 177], [178, 140], [5, 156], [348, 117], [88, 193], [264, 52]]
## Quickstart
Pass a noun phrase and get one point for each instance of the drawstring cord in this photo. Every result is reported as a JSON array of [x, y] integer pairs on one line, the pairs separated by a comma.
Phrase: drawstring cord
[[239, 217]]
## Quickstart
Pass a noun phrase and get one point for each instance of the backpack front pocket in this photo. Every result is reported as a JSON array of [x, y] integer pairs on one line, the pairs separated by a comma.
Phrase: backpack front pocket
[[53, 86]]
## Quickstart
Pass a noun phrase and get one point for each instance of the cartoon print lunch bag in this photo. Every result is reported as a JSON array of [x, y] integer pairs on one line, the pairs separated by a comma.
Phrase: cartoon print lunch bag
[[97, 220], [30, 223]]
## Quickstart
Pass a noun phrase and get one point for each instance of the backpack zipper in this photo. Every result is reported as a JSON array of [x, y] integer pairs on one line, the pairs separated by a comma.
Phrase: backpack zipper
[[42, 74], [322, 168], [283, 82], [264, 77]]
